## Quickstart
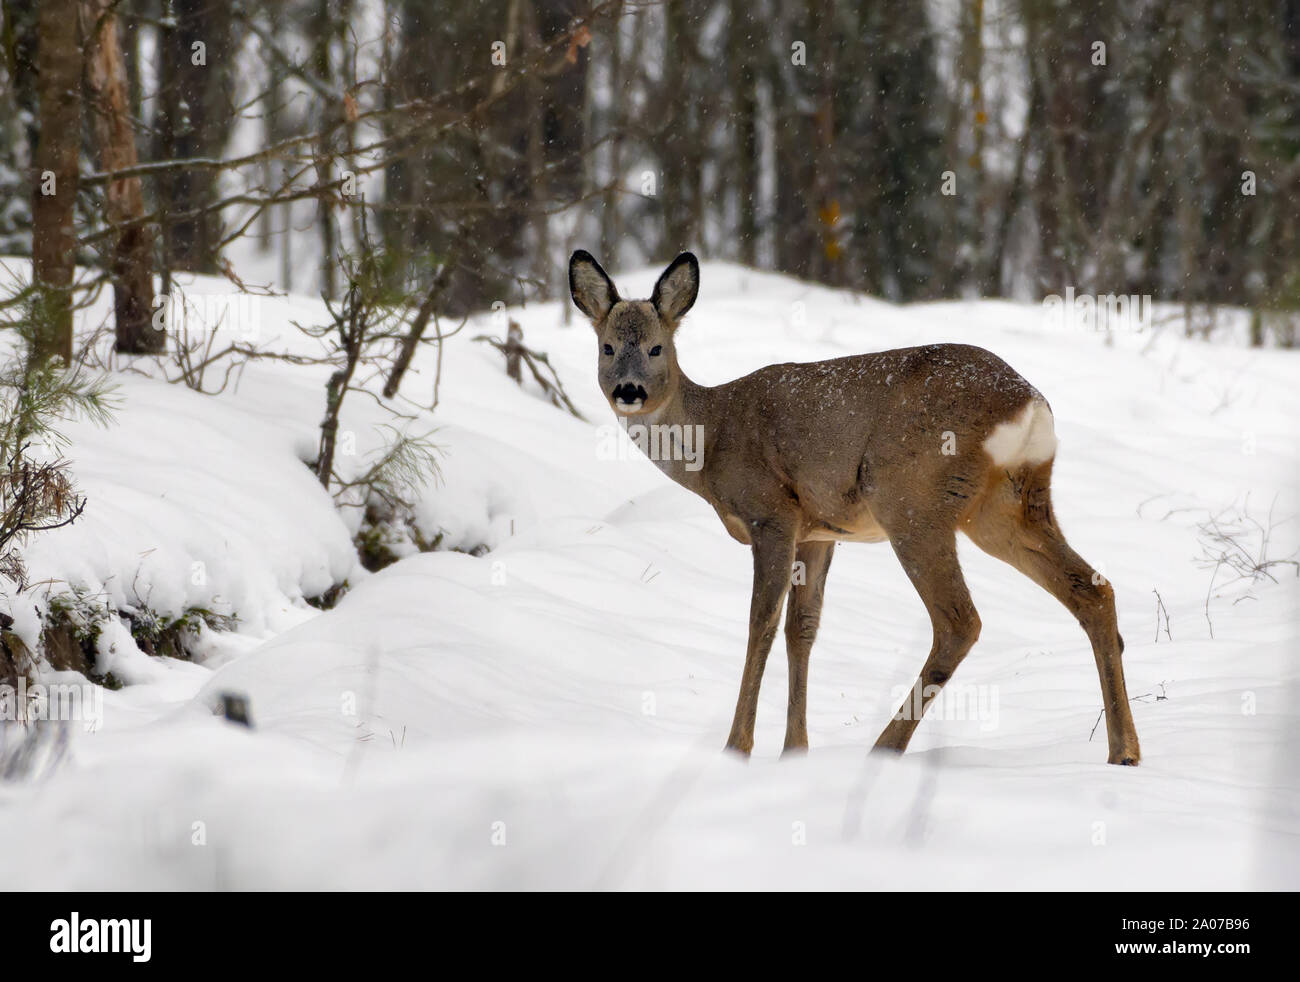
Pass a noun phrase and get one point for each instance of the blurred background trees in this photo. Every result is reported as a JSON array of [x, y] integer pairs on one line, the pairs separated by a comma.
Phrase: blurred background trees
[[911, 150]]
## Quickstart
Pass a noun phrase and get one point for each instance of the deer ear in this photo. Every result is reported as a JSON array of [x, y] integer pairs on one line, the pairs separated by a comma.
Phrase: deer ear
[[677, 289], [590, 286]]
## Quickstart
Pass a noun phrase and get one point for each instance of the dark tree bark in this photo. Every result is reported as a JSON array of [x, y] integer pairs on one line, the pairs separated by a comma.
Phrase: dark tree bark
[[676, 134], [323, 28], [55, 177], [742, 28], [197, 101], [795, 214], [111, 113], [20, 43], [611, 230], [535, 156]]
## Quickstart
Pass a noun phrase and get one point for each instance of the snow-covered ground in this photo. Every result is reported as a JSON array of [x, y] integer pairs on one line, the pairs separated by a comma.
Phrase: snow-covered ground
[[550, 714]]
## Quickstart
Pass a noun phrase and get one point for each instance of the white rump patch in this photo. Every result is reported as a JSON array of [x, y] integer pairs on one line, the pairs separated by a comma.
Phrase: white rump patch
[[1029, 438]]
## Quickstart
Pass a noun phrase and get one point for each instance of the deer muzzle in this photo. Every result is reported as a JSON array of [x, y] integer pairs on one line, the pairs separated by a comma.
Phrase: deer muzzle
[[629, 397]]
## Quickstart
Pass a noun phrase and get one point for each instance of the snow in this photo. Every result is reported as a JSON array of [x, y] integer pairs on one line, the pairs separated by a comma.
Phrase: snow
[[550, 714]]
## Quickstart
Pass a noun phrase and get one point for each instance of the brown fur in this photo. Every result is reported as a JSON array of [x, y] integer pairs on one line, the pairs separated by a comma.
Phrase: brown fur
[[887, 446]]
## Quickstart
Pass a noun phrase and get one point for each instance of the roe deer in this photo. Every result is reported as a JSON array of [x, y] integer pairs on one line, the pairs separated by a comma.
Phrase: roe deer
[[906, 446]]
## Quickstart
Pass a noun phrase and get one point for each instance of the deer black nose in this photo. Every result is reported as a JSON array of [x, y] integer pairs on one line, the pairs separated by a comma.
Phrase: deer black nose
[[627, 392]]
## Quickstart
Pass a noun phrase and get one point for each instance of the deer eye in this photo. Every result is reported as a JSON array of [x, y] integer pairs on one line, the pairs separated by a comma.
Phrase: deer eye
[[609, 349], [656, 350]]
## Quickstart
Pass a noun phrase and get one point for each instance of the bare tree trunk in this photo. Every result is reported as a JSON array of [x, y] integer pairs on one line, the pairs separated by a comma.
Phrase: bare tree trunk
[[991, 280], [200, 53], [324, 158], [536, 155], [132, 262], [824, 180], [741, 28], [611, 231], [679, 231], [19, 35], [272, 128], [347, 82], [54, 189], [979, 120], [165, 122], [352, 332], [1052, 183]]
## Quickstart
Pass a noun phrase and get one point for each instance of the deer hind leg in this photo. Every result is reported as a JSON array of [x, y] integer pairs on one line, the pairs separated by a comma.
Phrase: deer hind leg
[[774, 550], [1016, 524], [931, 564], [803, 614]]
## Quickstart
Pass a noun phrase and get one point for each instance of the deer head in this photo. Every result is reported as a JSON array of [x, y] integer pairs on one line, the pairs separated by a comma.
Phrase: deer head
[[637, 360]]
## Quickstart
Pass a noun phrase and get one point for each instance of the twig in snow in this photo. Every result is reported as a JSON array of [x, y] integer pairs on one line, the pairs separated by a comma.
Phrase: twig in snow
[[1142, 698], [1228, 540], [1160, 609]]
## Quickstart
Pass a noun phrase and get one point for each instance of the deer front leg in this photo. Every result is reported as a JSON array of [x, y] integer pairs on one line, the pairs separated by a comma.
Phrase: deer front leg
[[803, 614], [773, 547]]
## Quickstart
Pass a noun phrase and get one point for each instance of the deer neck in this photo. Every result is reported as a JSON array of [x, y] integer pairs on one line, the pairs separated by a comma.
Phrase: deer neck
[[673, 436]]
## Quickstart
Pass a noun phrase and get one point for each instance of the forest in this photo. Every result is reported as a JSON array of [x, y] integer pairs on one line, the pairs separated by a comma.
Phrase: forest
[[907, 150]]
